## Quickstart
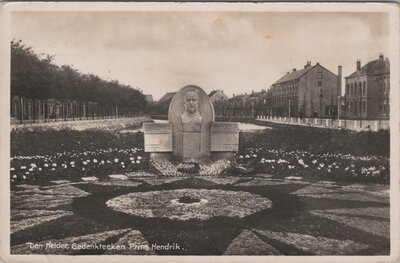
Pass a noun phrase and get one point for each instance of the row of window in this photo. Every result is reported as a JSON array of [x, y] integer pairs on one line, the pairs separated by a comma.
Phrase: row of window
[[356, 88], [292, 97], [355, 107], [287, 87]]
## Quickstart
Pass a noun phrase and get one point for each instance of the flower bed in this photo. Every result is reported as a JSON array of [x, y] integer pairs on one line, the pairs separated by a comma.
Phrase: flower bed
[[332, 166], [167, 168], [75, 164], [186, 204]]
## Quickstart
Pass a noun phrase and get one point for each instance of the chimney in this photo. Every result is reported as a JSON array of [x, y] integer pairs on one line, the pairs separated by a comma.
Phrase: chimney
[[381, 56], [294, 69], [358, 64], [339, 81], [287, 72]]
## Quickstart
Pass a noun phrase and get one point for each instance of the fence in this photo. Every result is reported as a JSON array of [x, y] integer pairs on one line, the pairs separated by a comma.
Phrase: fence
[[25, 110], [356, 125]]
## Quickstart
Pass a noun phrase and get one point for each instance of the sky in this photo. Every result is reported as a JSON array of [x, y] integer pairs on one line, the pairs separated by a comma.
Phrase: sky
[[161, 52]]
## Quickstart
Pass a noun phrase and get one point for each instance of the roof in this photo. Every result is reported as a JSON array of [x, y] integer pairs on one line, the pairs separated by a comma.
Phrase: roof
[[212, 93], [255, 94], [379, 66], [167, 96], [238, 97], [149, 98], [294, 75]]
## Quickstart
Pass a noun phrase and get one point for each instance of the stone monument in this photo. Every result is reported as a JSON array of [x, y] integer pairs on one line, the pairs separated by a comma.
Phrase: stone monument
[[191, 134]]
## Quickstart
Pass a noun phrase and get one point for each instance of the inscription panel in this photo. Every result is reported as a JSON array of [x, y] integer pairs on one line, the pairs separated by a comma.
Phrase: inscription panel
[[158, 137], [224, 137]]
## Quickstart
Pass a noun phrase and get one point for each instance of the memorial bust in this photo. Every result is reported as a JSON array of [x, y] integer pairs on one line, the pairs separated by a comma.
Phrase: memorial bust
[[191, 105]]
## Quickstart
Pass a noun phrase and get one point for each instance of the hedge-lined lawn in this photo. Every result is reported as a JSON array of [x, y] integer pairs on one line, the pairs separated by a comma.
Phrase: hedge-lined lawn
[[263, 213], [318, 153], [42, 153]]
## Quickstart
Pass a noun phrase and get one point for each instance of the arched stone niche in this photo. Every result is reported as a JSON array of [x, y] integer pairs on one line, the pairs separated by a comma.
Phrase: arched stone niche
[[191, 139], [191, 133]]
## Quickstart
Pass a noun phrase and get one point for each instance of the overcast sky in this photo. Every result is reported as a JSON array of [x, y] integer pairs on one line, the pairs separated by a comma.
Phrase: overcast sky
[[236, 52]]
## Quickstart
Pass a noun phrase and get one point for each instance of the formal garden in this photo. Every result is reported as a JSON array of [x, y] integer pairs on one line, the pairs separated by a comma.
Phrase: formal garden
[[288, 191], [42, 153]]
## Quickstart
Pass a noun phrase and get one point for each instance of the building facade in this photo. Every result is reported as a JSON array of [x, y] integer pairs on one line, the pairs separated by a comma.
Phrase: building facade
[[367, 91], [218, 98], [309, 92]]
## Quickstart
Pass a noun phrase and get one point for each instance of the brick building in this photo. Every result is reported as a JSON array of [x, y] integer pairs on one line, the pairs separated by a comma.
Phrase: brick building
[[367, 91], [310, 92]]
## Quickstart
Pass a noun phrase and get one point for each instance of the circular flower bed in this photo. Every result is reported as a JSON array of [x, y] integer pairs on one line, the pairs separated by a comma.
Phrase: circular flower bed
[[185, 204]]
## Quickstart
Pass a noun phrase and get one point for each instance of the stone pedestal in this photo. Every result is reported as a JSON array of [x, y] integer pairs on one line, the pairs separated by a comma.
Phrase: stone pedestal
[[191, 140]]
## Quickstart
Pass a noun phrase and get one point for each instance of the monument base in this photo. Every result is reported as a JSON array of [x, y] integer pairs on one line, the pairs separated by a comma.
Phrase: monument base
[[215, 156], [161, 155]]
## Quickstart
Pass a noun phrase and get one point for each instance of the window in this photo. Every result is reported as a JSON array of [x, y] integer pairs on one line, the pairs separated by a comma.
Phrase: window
[[319, 75], [347, 89], [351, 89], [319, 83], [363, 106], [364, 88]]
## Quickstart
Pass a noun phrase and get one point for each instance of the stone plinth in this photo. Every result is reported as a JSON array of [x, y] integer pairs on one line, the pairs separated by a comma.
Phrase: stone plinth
[[157, 137], [224, 137]]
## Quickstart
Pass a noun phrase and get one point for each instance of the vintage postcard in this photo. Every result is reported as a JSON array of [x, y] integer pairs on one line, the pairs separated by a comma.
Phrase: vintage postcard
[[199, 132]]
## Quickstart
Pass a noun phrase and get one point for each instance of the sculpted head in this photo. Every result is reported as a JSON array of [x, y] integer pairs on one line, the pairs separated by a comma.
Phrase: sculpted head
[[191, 102]]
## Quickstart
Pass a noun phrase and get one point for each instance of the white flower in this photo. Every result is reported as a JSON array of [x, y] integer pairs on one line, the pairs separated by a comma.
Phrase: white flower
[[33, 165], [30, 169], [23, 167], [139, 157], [54, 165], [301, 162], [83, 169], [122, 163], [137, 161], [14, 176], [321, 165], [94, 160], [12, 169], [72, 163], [116, 160], [84, 163], [241, 156], [40, 169], [314, 161]]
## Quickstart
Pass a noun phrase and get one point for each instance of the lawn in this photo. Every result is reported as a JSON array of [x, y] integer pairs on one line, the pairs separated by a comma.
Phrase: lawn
[[286, 192], [316, 154]]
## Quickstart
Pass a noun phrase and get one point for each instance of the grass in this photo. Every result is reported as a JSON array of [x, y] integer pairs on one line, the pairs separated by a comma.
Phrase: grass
[[318, 140], [42, 141], [314, 153]]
